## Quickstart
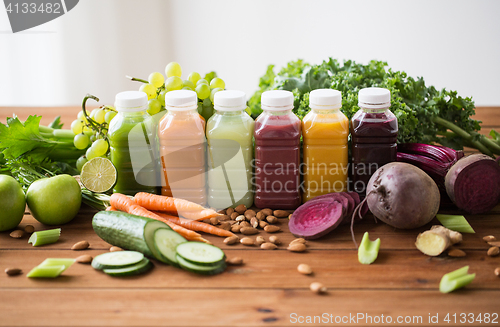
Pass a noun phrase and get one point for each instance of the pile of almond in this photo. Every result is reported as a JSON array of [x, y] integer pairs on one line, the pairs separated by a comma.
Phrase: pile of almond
[[248, 221]]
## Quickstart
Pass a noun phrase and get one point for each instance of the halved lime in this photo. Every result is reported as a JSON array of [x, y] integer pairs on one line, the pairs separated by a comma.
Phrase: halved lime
[[98, 175]]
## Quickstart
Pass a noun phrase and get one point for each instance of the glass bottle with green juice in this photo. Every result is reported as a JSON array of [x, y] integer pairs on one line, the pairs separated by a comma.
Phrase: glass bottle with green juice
[[229, 135], [131, 138]]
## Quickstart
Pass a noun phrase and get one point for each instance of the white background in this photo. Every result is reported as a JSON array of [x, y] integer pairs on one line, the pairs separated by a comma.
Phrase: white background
[[452, 44]]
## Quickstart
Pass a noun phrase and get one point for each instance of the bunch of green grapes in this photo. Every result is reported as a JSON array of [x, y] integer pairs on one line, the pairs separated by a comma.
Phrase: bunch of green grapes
[[91, 133], [157, 86]]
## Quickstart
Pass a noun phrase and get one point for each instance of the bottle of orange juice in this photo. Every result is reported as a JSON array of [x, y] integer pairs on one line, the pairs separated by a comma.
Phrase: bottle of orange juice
[[325, 130], [181, 135]]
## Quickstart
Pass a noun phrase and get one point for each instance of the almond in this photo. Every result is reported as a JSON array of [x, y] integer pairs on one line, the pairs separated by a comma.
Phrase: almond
[[280, 213], [268, 246], [272, 228], [29, 229], [254, 222], [229, 211], [225, 225], [298, 240], [224, 218], [115, 249], [274, 239], [82, 245], [317, 288], [13, 271], [235, 228], [304, 269], [290, 216], [245, 224], [231, 240], [259, 240], [249, 214], [247, 241], [493, 251], [457, 253], [497, 271], [234, 261], [84, 259], [232, 222], [263, 224], [222, 211], [214, 221], [297, 247], [260, 215], [240, 209], [494, 243], [240, 218], [249, 231], [267, 212], [234, 215], [272, 219], [18, 233], [489, 238]]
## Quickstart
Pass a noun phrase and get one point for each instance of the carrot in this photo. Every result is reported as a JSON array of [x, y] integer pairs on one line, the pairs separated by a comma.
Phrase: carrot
[[174, 206], [196, 225], [111, 208], [123, 203]]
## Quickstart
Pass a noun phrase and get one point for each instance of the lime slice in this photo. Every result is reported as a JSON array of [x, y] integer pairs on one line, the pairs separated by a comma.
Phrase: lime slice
[[98, 175]]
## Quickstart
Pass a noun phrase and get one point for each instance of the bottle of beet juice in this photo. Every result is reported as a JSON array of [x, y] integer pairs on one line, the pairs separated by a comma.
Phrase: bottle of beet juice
[[277, 152], [374, 130]]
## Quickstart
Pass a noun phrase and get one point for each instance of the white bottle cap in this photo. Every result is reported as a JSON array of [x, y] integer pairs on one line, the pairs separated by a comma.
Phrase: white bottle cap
[[374, 98], [277, 100], [131, 101], [326, 99], [181, 100], [230, 100]]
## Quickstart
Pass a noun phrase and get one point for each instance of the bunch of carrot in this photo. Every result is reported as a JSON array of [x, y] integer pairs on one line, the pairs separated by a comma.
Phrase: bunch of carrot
[[168, 209]]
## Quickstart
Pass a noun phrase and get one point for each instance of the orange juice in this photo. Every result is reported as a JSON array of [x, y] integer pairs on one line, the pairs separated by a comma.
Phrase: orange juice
[[325, 130], [181, 136]]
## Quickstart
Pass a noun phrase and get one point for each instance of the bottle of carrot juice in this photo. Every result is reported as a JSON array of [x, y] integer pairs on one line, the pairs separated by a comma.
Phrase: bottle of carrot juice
[[182, 142]]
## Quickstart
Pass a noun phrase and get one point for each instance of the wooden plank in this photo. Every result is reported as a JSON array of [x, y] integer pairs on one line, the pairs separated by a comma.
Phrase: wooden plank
[[212, 307], [81, 229], [490, 116], [337, 269]]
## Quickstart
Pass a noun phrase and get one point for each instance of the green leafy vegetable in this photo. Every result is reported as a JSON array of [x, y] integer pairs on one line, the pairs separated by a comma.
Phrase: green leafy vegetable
[[425, 114]]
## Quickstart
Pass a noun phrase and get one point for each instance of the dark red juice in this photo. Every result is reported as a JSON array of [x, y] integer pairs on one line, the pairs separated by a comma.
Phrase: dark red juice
[[373, 144], [277, 160]]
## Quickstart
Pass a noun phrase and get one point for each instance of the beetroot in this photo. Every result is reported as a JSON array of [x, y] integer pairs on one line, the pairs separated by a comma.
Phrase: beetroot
[[346, 201], [473, 183], [316, 217], [402, 195]]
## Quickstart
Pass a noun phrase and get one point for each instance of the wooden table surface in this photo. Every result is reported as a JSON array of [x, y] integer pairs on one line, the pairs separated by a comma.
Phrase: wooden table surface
[[400, 288]]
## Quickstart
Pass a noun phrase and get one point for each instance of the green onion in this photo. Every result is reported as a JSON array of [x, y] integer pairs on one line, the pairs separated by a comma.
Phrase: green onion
[[456, 223], [45, 237], [455, 280], [368, 250]]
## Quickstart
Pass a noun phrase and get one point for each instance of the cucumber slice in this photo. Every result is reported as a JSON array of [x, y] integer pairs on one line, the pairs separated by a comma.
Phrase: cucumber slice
[[136, 269], [119, 259], [204, 270], [166, 242], [201, 254]]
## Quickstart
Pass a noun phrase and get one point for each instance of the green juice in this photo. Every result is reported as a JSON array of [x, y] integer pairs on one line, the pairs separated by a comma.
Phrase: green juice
[[132, 151]]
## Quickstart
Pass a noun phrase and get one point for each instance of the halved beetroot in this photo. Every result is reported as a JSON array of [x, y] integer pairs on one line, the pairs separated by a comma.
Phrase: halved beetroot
[[339, 197], [316, 218]]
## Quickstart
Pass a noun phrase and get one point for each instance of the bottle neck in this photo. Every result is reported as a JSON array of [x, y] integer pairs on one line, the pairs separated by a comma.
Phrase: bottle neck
[[372, 110], [133, 113], [182, 112], [325, 111], [229, 113], [278, 112]]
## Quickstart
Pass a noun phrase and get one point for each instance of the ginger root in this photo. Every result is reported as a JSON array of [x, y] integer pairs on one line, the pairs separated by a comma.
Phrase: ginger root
[[436, 240]]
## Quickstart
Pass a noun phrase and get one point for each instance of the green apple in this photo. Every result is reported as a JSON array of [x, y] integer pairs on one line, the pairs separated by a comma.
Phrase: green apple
[[12, 203], [54, 200]]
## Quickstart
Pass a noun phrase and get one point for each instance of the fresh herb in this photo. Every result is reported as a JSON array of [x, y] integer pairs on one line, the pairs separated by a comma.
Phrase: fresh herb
[[425, 114]]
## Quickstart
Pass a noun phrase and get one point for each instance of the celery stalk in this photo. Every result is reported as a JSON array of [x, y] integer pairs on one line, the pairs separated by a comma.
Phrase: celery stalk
[[456, 223], [51, 262], [368, 250], [47, 271], [455, 280], [45, 237]]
